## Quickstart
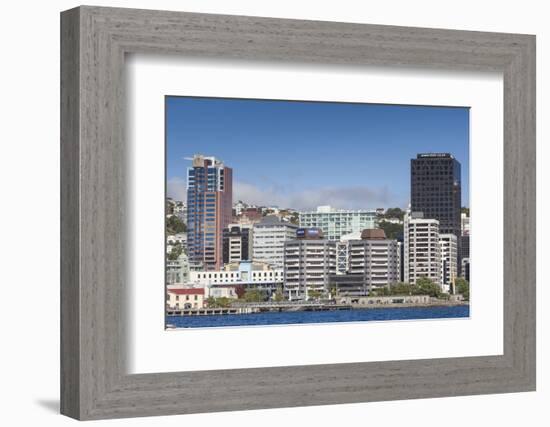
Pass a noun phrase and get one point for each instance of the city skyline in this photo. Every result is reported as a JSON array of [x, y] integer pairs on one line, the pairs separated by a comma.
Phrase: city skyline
[[292, 163], [315, 238]]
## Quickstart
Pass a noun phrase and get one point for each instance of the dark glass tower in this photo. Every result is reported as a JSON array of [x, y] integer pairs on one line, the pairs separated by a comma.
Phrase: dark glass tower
[[436, 190]]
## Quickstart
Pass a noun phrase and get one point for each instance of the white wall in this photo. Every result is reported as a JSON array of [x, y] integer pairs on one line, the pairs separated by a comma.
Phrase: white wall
[[29, 165]]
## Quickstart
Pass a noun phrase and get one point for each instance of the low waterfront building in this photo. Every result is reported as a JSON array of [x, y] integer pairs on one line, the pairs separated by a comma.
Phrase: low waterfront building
[[335, 223], [309, 260], [224, 291], [269, 237], [248, 275], [185, 298], [422, 248]]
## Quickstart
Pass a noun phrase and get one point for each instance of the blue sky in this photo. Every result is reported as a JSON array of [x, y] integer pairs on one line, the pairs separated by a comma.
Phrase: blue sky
[[303, 154]]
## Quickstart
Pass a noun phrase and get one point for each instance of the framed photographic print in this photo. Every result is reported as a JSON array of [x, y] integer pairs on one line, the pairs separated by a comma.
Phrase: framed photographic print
[[277, 213]]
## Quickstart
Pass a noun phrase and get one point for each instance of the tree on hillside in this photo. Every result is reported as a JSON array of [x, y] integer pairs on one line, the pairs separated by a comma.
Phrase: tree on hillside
[[169, 207], [393, 213], [176, 251], [175, 225], [393, 231]]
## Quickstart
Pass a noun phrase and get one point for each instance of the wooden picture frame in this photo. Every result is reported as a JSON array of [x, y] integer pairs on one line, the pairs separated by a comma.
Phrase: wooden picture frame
[[94, 41]]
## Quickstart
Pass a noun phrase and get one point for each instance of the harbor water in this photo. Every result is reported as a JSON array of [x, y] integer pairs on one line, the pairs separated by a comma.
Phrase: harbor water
[[304, 317]]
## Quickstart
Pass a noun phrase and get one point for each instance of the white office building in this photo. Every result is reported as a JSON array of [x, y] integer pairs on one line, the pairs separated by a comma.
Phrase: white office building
[[422, 250], [269, 237], [464, 224], [448, 244], [335, 223]]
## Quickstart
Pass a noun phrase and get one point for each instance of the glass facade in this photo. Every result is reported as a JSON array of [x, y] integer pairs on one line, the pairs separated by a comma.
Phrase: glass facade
[[209, 200], [436, 190]]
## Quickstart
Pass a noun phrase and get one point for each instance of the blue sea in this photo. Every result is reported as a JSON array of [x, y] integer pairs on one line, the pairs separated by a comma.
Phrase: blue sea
[[302, 317]]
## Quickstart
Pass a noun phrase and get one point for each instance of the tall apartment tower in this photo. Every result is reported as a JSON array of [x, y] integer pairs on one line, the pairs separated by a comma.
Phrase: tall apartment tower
[[209, 211], [436, 190], [422, 250], [309, 261], [372, 262]]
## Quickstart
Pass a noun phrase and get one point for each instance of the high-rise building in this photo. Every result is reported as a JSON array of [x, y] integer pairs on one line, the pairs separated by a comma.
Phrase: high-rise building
[[237, 243], [464, 243], [463, 247], [449, 268], [335, 223], [209, 210], [269, 236], [465, 223], [309, 260], [465, 268], [422, 248], [436, 190], [372, 262]]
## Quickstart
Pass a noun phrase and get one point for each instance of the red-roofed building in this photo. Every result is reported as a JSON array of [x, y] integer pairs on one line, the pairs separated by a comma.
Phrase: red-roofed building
[[185, 298]]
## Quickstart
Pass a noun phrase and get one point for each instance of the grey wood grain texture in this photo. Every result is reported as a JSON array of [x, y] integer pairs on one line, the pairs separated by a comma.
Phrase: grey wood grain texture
[[94, 273]]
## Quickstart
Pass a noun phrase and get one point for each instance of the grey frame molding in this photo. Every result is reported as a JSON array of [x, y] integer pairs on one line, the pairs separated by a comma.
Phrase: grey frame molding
[[94, 41]]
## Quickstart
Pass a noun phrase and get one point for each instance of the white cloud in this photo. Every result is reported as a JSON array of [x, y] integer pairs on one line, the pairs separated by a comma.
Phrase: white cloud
[[176, 188], [361, 197], [270, 194]]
